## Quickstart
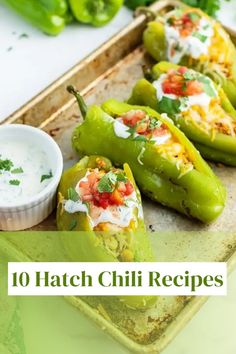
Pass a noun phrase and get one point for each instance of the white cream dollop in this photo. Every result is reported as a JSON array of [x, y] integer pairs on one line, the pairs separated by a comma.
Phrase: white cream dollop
[[190, 45], [119, 215], [121, 130]]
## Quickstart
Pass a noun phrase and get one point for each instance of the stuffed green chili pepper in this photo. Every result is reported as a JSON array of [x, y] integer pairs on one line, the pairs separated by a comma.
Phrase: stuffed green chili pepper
[[197, 106], [49, 16], [189, 37], [104, 202], [95, 12], [165, 164]]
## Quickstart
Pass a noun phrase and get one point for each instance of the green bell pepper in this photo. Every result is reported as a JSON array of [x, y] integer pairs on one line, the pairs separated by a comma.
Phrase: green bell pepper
[[49, 16], [95, 12], [106, 242], [212, 128], [190, 188], [189, 37]]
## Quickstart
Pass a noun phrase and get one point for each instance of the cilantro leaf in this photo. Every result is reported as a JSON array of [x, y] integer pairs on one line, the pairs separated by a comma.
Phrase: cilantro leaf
[[169, 106], [6, 165], [200, 36], [120, 177], [194, 16], [154, 123], [107, 182], [140, 138], [44, 177], [189, 75], [72, 194], [17, 170], [14, 182], [73, 224]]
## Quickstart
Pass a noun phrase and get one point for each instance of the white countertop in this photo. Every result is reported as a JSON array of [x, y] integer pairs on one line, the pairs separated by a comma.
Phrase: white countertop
[[28, 65]]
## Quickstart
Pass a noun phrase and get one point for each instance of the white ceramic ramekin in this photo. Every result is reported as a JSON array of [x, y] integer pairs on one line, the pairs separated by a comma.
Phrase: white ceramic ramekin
[[25, 215]]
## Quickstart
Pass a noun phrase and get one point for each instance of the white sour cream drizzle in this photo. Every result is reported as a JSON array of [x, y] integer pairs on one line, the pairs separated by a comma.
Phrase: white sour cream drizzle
[[118, 215], [121, 130], [202, 99], [189, 45], [34, 163]]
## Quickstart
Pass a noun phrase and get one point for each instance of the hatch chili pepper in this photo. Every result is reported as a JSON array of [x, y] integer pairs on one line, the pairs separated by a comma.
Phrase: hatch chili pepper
[[197, 106], [189, 37], [104, 202], [164, 162], [47, 18], [95, 12]]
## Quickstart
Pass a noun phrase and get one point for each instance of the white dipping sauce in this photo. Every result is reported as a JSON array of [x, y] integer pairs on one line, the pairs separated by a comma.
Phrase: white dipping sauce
[[33, 161]]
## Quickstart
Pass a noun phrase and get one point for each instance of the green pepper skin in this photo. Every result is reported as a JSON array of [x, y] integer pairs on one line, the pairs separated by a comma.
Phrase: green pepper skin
[[38, 15], [87, 246], [223, 146], [95, 12], [58, 7], [198, 193], [154, 39]]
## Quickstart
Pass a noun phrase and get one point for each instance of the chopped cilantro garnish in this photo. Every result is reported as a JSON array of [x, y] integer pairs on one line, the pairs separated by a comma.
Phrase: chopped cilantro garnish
[[154, 123], [194, 16], [169, 106], [14, 182], [6, 165], [72, 194], [120, 177], [189, 75], [23, 35], [200, 36], [17, 170], [184, 87], [140, 138], [73, 225], [107, 182], [48, 176]]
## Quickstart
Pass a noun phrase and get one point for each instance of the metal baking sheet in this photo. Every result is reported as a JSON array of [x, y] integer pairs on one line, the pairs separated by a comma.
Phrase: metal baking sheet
[[111, 71]]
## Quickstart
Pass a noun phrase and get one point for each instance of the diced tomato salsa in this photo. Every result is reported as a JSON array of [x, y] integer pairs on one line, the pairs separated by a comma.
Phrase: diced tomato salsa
[[185, 24], [176, 83], [143, 124], [89, 191]]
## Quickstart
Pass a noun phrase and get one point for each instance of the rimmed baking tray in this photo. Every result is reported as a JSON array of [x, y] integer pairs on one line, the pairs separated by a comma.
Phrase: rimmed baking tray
[[111, 71]]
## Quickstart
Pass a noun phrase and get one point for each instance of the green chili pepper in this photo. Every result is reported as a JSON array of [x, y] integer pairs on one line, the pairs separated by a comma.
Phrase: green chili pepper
[[114, 245], [212, 143], [95, 12], [58, 7], [219, 62], [192, 189], [48, 16]]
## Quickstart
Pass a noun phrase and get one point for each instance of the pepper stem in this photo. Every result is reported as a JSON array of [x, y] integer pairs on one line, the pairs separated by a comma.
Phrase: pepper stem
[[82, 105], [143, 10]]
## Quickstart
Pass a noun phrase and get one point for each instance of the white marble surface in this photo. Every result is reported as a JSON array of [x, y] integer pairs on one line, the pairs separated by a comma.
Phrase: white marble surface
[[28, 65]]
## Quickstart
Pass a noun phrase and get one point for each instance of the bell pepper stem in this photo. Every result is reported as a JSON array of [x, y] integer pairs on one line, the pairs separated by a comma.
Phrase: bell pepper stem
[[82, 105]]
